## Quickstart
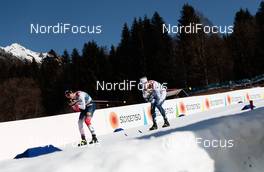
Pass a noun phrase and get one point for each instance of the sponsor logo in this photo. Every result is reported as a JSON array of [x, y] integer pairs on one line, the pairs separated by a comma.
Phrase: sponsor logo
[[228, 99], [247, 97], [182, 108], [216, 102], [255, 96], [207, 103], [129, 118], [114, 121], [168, 110], [192, 107], [236, 99]]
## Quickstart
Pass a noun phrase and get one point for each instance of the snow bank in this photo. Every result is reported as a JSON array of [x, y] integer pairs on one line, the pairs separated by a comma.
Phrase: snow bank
[[246, 131], [155, 154]]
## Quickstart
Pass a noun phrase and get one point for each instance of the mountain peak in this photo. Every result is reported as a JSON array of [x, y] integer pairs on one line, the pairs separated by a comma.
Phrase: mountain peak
[[16, 45], [23, 53]]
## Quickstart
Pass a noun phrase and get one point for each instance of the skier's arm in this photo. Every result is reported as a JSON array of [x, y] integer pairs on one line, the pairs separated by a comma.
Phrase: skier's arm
[[158, 92], [72, 102], [82, 104], [147, 95]]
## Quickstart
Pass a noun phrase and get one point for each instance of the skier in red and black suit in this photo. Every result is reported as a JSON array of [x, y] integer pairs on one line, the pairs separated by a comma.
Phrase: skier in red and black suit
[[81, 102]]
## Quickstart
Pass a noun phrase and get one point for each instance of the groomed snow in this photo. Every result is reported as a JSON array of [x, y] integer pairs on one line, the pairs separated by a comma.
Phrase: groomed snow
[[173, 149]]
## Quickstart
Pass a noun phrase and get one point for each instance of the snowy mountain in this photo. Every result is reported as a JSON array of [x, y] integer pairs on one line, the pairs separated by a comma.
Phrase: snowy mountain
[[23, 53]]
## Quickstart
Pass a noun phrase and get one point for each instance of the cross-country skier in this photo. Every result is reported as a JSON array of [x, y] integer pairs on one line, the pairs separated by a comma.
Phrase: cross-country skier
[[81, 102], [154, 93]]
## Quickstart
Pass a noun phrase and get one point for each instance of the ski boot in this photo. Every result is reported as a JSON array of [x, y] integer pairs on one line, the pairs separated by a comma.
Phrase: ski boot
[[154, 126], [83, 142], [94, 139], [166, 123]]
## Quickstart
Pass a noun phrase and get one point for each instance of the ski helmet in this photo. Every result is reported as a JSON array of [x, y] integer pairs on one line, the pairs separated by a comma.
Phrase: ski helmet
[[67, 92], [143, 80]]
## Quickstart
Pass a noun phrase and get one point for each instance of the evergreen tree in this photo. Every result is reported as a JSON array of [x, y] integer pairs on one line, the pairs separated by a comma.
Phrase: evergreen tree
[[244, 45], [51, 84], [73, 81], [113, 64], [52, 53], [137, 54], [95, 59], [260, 38], [66, 57], [34, 69], [219, 60], [163, 59], [75, 56], [123, 55], [191, 50]]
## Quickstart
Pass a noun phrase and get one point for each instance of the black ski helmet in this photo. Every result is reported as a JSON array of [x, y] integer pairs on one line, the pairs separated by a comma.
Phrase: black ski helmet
[[67, 92]]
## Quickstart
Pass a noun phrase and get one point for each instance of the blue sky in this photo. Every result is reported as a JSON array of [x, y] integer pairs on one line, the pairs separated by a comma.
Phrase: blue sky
[[16, 17]]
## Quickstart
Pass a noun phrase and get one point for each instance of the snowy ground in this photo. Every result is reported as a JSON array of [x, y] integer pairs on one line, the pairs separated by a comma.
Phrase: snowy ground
[[236, 141]]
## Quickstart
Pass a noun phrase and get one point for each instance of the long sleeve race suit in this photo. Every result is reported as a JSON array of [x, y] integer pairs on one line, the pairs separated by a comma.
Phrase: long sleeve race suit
[[154, 92]]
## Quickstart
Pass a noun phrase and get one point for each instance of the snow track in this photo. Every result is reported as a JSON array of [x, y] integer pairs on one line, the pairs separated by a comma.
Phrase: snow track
[[180, 148]]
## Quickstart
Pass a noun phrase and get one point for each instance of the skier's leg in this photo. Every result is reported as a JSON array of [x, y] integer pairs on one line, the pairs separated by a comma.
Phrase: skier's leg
[[80, 124], [89, 115], [163, 113], [161, 109], [153, 113], [89, 124]]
